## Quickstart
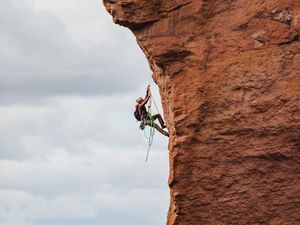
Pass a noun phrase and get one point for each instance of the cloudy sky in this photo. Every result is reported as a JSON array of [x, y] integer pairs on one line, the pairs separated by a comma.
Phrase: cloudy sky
[[70, 149]]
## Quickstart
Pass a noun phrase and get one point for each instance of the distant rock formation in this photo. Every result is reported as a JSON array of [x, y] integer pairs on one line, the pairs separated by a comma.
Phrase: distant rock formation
[[229, 77]]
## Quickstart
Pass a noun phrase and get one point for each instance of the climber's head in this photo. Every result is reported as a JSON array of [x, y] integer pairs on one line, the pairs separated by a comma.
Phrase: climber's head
[[139, 100]]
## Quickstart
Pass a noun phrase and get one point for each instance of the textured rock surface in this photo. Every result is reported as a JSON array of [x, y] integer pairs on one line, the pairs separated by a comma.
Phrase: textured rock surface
[[229, 77]]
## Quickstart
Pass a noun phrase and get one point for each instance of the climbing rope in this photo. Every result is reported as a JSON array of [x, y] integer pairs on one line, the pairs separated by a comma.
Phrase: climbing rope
[[152, 125], [152, 129], [150, 139], [156, 106]]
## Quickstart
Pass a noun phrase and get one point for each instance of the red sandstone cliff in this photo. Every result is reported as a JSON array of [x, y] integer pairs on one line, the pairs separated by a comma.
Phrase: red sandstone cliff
[[229, 77]]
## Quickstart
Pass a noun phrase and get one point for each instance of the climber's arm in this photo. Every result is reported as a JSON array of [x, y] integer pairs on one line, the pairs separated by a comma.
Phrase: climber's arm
[[147, 92], [145, 101], [147, 97]]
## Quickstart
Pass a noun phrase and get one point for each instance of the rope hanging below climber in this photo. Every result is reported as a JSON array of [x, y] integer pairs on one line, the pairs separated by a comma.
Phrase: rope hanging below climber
[[147, 119]]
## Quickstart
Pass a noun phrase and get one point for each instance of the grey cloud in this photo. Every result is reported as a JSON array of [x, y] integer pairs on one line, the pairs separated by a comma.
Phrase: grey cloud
[[70, 149], [40, 58], [57, 84], [34, 38]]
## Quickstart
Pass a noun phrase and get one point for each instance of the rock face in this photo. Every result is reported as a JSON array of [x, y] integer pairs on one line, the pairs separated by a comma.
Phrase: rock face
[[229, 77]]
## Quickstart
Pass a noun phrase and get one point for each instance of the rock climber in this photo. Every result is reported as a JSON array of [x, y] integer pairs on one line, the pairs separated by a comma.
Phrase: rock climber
[[142, 115]]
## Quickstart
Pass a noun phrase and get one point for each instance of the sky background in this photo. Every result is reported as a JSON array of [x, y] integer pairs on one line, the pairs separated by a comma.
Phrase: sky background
[[70, 149]]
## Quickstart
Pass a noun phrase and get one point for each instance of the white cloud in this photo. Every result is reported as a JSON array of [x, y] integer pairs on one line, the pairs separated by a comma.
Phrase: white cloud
[[110, 183], [69, 123], [19, 206]]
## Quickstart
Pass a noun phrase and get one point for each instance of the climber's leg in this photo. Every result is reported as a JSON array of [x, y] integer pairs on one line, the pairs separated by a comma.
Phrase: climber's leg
[[160, 119], [160, 130]]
